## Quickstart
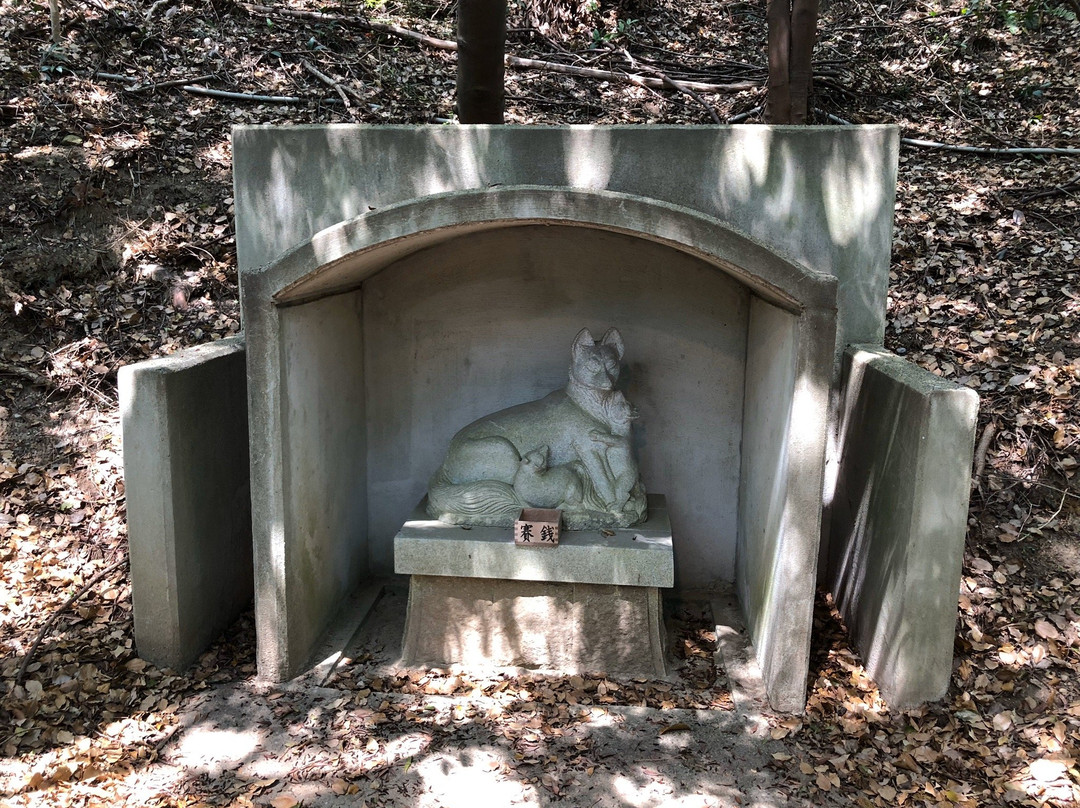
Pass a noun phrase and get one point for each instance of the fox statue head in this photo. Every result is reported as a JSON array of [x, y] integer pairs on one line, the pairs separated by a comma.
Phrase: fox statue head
[[596, 365]]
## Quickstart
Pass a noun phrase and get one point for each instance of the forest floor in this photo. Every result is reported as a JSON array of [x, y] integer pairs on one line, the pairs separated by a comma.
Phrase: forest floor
[[116, 245]]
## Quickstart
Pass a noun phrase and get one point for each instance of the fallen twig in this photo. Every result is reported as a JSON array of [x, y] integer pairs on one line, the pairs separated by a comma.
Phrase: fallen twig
[[161, 85], [1056, 513], [511, 60], [980, 452], [641, 81], [675, 85], [1066, 187], [359, 22], [325, 79], [933, 144], [260, 99], [48, 624]]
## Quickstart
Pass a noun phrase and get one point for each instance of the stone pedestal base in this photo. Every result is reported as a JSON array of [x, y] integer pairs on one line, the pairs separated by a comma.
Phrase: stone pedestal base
[[590, 604], [571, 628]]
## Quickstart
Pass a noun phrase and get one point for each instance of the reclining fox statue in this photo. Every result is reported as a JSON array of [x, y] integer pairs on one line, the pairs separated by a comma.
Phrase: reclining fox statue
[[569, 450]]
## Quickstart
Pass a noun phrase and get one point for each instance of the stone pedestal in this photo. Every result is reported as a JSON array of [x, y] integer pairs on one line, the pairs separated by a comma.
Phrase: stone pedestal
[[590, 604]]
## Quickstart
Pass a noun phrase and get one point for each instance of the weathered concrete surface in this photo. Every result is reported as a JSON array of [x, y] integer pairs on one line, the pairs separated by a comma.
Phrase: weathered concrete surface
[[899, 516], [311, 298], [188, 505], [570, 628], [308, 474], [822, 196], [634, 556], [788, 366]]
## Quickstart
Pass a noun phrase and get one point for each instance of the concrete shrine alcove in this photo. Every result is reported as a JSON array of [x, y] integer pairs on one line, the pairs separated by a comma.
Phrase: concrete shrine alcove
[[399, 282], [370, 345]]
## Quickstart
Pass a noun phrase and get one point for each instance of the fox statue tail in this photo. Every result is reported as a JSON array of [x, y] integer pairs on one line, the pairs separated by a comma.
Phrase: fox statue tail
[[484, 502]]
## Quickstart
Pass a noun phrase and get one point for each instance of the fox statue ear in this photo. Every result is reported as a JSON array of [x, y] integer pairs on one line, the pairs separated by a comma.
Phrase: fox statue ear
[[583, 340], [613, 338]]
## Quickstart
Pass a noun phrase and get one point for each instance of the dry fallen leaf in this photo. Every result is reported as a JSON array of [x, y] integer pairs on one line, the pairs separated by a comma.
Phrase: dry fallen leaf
[[1047, 630], [676, 727]]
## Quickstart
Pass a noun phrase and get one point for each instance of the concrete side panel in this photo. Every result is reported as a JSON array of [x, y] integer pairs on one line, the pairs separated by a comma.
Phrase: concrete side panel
[[770, 380], [185, 437], [822, 196], [899, 516], [784, 435], [324, 469]]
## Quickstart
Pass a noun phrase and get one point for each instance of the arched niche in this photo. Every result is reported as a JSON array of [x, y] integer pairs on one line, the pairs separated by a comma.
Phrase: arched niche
[[372, 343]]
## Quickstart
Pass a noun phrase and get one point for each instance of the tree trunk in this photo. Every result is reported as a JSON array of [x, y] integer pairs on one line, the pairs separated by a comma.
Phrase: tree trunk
[[481, 41], [54, 20], [792, 30]]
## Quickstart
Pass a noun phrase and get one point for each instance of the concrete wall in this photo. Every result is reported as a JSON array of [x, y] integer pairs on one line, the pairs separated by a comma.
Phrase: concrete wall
[[821, 196], [185, 439], [899, 517], [324, 469], [485, 321], [783, 455], [345, 263]]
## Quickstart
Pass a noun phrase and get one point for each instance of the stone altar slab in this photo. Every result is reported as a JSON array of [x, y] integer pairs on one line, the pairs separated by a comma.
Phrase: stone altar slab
[[635, 556]]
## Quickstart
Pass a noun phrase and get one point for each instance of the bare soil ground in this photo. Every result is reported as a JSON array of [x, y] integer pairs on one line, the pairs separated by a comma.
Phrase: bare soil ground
[[116, 245]]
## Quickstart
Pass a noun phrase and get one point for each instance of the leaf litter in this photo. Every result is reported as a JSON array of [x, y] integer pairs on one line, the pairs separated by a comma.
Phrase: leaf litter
[[117, 245]]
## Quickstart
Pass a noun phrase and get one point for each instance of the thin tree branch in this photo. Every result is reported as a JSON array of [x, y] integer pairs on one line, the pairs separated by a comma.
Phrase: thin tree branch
[[359, 22], [640, 81], [675, 85], [325, 79], [511, 61], [161, 85], [48, 624], [980, 453], [933, 144], [261, 99]]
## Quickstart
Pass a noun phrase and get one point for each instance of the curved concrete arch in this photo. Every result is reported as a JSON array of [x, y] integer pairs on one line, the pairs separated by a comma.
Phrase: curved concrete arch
[[341, 257]]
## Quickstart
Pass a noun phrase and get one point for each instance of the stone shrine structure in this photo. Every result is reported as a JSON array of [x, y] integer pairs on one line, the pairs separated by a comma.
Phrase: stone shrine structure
[[398, 282]]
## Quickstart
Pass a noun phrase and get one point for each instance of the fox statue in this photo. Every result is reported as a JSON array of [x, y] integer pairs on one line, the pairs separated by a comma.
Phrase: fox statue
[[570, 450]]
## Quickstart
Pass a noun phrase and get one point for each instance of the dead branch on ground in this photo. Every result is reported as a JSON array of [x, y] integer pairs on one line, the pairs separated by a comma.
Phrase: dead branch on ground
[[48, 624], [989, 151], [511, 60]]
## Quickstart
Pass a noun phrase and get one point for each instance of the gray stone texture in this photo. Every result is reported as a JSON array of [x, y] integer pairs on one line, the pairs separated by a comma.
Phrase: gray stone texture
[[783, 461], [439, 355], [899, 515], [471, 366], [571, 628], [821, 196], [441, 269], [308, 474], [185, 441], [635, 556]]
